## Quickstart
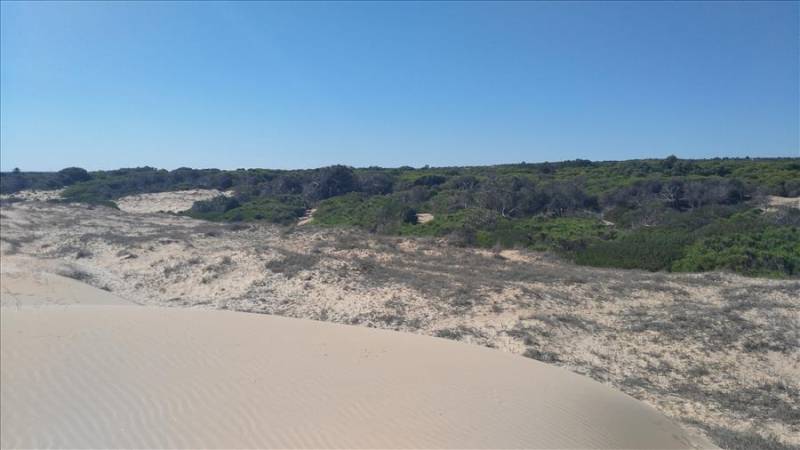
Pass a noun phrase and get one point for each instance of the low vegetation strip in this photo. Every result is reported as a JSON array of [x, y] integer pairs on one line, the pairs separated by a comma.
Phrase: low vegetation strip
[[669, 214]]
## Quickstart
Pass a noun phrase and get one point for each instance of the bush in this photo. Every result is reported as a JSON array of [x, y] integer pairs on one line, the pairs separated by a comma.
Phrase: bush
[[771, 251], [375, 183], [410, 216], [72, 175], [283, 210], [430, 180], [650, 249], [378, 213], [17, 180], [217, 205], [330, 182], [565, 234], [667, 214]]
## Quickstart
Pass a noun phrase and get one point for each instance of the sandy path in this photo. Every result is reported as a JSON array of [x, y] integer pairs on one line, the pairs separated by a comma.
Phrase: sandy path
[[130, 376]]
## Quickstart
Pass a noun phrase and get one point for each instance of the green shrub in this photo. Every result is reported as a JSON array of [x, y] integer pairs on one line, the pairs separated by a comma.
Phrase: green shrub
[[770, 251], [381, 213], [667, 214], [559, 233], [648, 248], [281, 210]]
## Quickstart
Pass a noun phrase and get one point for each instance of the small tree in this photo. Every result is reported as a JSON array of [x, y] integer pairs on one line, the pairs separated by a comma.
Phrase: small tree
[[375, 183], [330, 182], [72, 175], [410, 216]]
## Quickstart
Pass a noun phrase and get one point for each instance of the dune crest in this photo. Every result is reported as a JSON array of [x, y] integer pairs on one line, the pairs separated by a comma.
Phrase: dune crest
[[22, 289]]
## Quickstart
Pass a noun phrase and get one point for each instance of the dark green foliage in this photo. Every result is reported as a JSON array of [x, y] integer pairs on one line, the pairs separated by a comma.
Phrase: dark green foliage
[[749, 242], [282, 210], [770, 251], [217, 205], [375, 183], [110, 185], [17, 180], [330, 182], [667, 214], [72, 175], [430, 180], [13, 182], [377, 213], [649, 249], [410, 216], [565, 234]]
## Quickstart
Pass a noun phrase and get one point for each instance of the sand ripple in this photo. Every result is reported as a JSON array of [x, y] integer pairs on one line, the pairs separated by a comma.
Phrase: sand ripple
[[130, 376]]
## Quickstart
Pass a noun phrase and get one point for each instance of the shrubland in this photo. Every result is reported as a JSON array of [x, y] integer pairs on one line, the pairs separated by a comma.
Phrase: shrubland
[[661, 214]]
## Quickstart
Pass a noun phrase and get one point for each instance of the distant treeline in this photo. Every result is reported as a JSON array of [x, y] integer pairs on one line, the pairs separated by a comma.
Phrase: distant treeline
[[660, 214]]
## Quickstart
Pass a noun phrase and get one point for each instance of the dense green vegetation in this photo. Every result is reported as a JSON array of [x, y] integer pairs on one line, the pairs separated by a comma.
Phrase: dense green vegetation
[[669, 214], [765, 250], [283, 210]]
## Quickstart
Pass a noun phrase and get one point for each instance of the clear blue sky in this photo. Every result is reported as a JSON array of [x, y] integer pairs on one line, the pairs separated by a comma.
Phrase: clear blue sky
[[282, 85]]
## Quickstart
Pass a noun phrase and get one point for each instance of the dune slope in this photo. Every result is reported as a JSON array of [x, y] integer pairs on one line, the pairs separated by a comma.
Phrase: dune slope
[[109, 375], [21, 289]]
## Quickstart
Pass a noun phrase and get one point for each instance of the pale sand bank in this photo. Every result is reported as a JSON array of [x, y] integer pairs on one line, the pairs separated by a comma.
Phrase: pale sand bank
[[171, 201], [775, 201], [131, 376]]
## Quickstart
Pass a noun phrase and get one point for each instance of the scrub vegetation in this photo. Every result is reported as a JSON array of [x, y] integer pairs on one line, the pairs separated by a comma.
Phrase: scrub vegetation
[[659, 215]]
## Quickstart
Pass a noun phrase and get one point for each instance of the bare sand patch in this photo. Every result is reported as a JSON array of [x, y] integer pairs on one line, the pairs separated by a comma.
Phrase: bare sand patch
[[424, 217], [174, 201], [791, 202]]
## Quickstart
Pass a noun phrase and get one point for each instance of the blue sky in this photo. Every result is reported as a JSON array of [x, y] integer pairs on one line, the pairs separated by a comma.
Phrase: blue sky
[[282, 85]]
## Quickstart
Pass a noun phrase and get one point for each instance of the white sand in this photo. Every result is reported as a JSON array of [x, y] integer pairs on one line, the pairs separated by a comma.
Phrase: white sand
[[21, 289], [424, 217], [791, 202], [174, 201], [101, 374]]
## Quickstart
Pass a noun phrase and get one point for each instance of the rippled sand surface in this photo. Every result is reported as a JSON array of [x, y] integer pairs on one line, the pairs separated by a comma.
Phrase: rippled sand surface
[[101, 373]]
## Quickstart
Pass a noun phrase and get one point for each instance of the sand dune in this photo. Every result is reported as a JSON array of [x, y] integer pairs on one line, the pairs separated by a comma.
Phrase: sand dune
[[173, 201], [100, 374]]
